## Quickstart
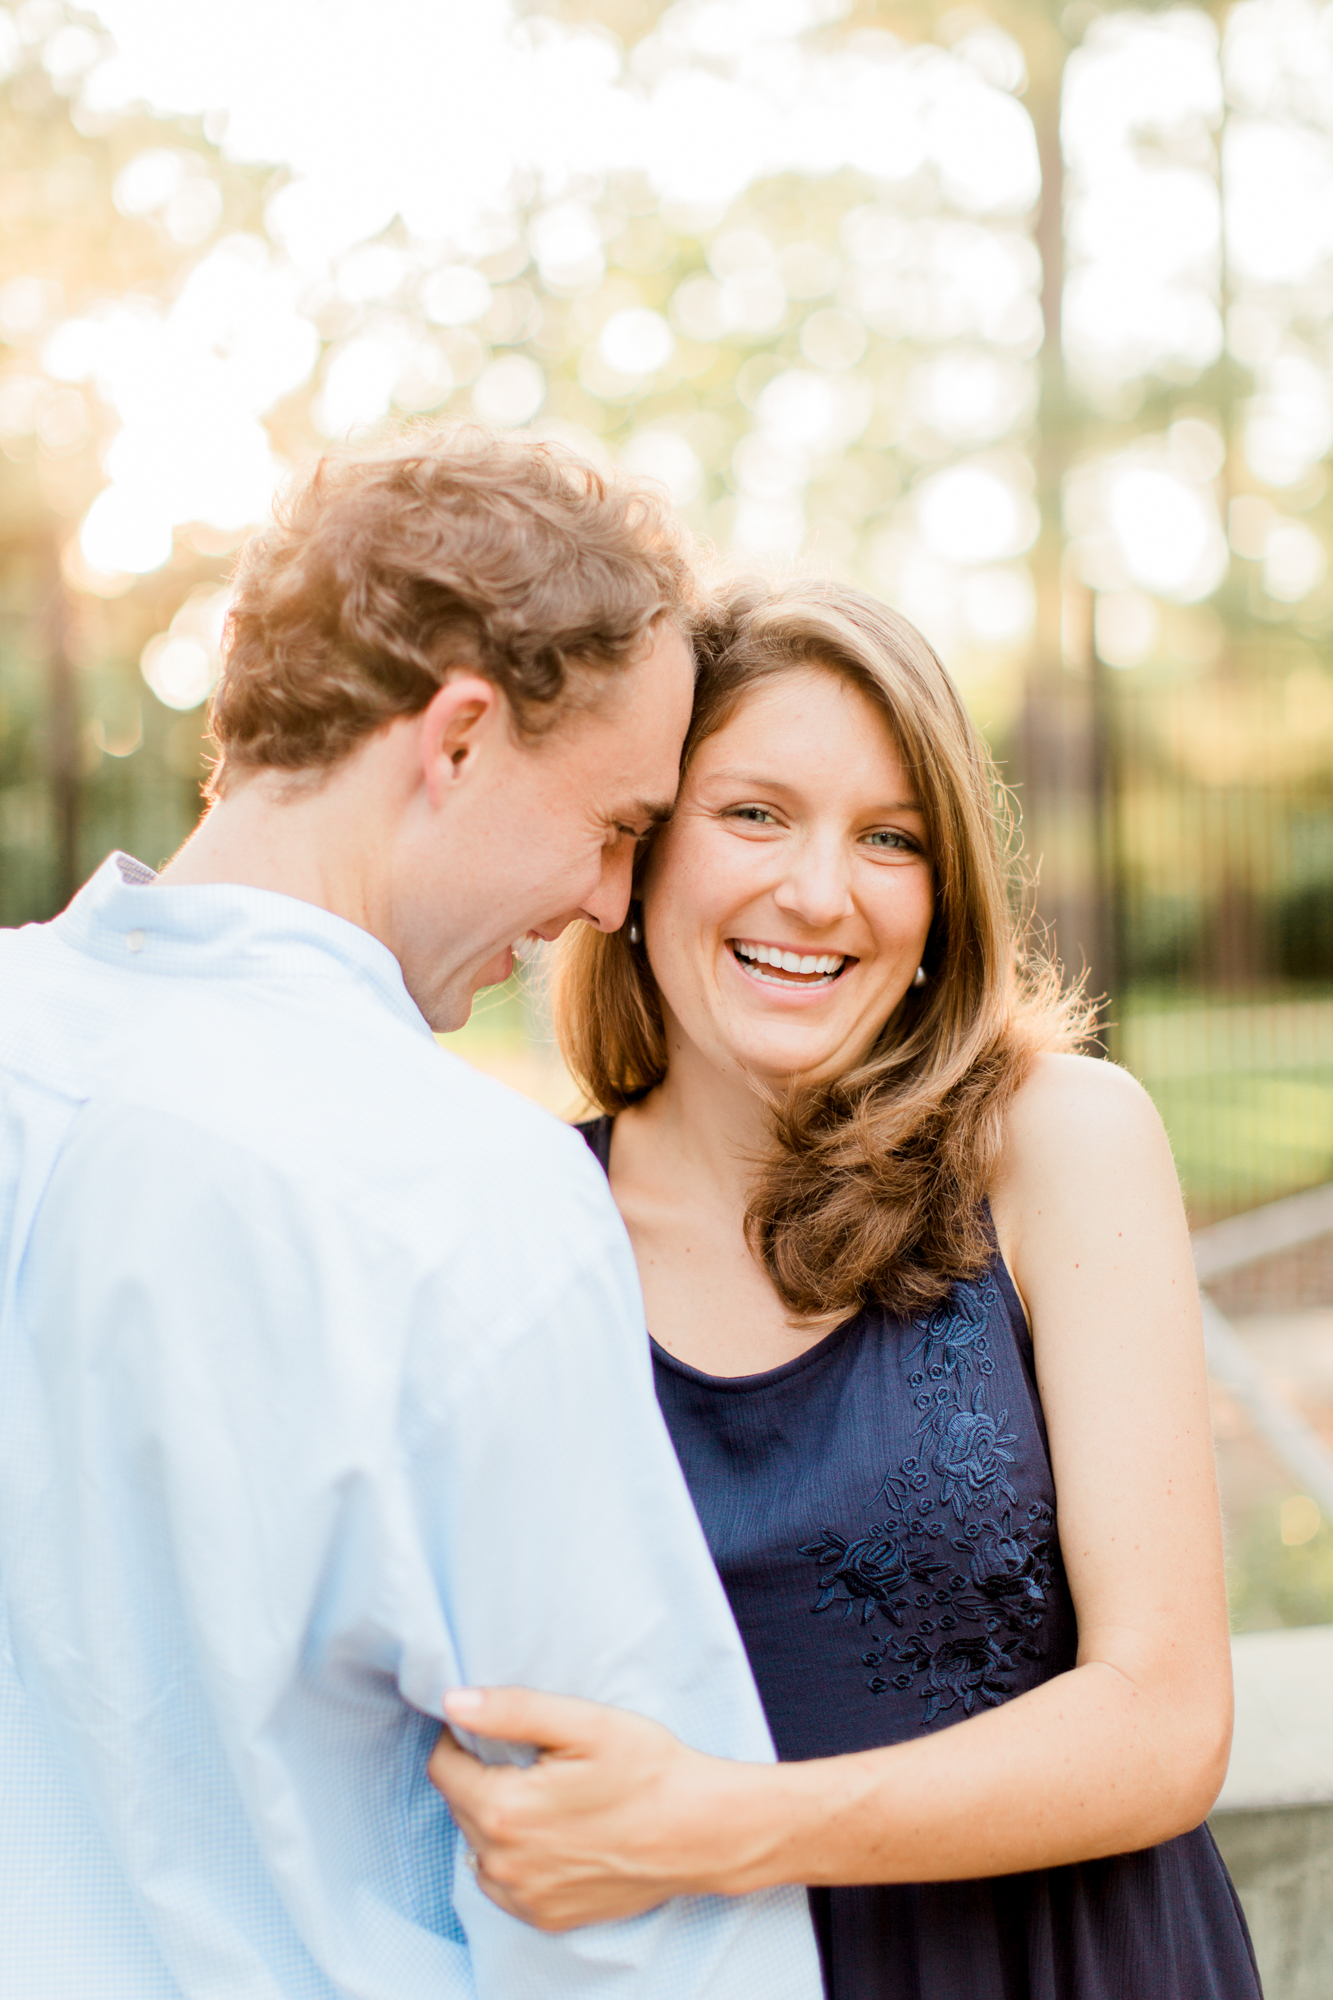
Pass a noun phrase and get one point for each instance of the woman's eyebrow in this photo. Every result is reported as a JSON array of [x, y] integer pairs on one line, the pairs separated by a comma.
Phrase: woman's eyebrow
[[763, 784]]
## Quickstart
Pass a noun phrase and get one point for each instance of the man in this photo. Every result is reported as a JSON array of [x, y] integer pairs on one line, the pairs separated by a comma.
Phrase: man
[[324, 1379]]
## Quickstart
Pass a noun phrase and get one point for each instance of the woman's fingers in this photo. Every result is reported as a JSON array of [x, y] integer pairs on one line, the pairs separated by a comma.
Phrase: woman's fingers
[[493, 1805], [556, 1723], [578, 1837], [460, 1778]]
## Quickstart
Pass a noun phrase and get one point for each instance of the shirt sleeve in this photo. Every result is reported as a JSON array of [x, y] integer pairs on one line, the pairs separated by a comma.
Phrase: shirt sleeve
[[272, 1485]]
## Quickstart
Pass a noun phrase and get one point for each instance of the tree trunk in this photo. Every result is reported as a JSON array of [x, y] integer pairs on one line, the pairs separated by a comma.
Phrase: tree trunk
[[1063, 753]]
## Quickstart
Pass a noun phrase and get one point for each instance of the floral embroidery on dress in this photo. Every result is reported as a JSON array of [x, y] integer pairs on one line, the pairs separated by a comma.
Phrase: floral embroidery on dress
[[960, 1582], [968, 1453]]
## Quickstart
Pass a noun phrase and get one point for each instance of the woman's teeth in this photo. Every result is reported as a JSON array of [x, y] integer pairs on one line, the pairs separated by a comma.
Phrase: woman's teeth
[[813, 968]]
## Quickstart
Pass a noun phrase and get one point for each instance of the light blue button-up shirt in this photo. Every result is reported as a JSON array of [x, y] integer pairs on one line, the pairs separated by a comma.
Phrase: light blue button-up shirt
[[323, 1387]]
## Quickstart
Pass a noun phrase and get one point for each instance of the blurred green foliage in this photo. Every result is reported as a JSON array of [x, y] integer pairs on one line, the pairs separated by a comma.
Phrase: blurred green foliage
[[1270, 1584]]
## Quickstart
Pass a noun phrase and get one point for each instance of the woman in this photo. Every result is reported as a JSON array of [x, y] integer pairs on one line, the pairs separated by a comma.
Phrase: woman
[[927, 1338]]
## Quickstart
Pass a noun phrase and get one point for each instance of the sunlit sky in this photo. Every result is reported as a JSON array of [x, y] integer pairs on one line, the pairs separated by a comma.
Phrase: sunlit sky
[[1200, 215]]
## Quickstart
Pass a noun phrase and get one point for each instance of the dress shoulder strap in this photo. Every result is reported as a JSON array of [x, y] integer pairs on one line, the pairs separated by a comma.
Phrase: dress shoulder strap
[[597, 1136]]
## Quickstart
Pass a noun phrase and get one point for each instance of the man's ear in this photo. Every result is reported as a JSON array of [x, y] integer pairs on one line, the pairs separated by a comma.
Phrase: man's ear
[[452, 730]]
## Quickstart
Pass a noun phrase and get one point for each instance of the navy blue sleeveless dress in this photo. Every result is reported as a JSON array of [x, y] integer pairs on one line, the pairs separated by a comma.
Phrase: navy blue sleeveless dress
[[882, 1513]]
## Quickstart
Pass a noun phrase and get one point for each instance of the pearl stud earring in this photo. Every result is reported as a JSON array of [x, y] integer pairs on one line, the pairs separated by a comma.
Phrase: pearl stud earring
[[919, 976]]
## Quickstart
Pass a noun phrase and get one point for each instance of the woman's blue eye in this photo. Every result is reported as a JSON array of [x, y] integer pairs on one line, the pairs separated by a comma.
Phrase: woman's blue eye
[[885, 837], [756, 815]]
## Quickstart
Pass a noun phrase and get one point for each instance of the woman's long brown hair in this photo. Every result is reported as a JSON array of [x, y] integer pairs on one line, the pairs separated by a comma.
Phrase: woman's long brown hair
[[874, 1188]]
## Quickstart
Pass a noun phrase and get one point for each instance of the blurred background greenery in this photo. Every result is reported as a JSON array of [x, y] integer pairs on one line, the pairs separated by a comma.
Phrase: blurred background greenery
[[1020, 314]]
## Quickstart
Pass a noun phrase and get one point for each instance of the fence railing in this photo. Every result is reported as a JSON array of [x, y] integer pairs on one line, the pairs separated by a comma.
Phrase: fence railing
[[1229, 1246]]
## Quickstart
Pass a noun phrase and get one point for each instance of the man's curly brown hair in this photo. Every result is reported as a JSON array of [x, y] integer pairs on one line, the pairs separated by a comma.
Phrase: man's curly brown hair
[[387, 569]]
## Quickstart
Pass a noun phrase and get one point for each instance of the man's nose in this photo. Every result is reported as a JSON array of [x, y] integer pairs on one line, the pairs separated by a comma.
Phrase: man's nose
[[608, 905]]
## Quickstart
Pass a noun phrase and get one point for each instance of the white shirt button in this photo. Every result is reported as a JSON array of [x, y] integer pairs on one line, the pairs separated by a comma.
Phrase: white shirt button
[[134, 940]]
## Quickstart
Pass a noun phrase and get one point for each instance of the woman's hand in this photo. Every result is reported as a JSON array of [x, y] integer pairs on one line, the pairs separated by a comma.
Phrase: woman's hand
[[615, 1816]]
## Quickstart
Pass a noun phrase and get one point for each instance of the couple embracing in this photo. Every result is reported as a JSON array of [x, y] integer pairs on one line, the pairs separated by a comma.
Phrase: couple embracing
[[327, 1411]]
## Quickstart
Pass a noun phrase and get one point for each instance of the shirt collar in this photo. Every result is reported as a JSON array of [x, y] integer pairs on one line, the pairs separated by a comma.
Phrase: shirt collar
[[221, 930]]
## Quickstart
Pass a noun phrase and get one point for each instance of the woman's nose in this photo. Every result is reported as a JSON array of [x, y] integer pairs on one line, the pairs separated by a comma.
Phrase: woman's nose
[[815, 889]]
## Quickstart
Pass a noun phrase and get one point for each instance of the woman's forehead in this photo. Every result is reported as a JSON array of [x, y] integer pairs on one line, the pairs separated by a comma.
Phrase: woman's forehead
[[807, 709]]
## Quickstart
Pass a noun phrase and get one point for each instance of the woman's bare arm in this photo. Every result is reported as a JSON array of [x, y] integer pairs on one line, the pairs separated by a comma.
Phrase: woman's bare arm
[[1126, 1749]]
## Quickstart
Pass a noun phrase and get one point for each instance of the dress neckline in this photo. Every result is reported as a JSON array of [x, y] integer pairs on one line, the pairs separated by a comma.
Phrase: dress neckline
[[597, 1135], [766, 1377]]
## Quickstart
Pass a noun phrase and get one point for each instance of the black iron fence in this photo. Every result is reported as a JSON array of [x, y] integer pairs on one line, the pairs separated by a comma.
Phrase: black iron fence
[[1220, 853]]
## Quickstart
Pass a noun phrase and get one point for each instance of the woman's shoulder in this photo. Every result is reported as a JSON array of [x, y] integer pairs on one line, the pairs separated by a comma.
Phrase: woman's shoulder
[[1073, 1087], [1085, 1164], [1075, 1120]]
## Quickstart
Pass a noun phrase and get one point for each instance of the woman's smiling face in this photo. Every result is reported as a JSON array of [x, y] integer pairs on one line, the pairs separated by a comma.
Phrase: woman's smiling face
[[787, 904]]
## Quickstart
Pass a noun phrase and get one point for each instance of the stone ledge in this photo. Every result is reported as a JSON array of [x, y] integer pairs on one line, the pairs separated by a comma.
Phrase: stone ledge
[[1281, 1861], [1282, 1751], [1274, 1819]]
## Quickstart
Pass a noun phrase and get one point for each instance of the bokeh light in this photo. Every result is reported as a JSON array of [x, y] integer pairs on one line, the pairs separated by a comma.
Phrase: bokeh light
[[784, 264], [582, 245], [182, 664]]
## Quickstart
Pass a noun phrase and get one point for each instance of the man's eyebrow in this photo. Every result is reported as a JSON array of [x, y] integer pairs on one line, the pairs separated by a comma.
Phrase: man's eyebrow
[[652, 810]]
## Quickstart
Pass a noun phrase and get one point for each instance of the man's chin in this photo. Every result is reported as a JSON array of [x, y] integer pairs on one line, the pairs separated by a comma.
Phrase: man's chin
[[449, 1007], [495, 971], [459, 1000]]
